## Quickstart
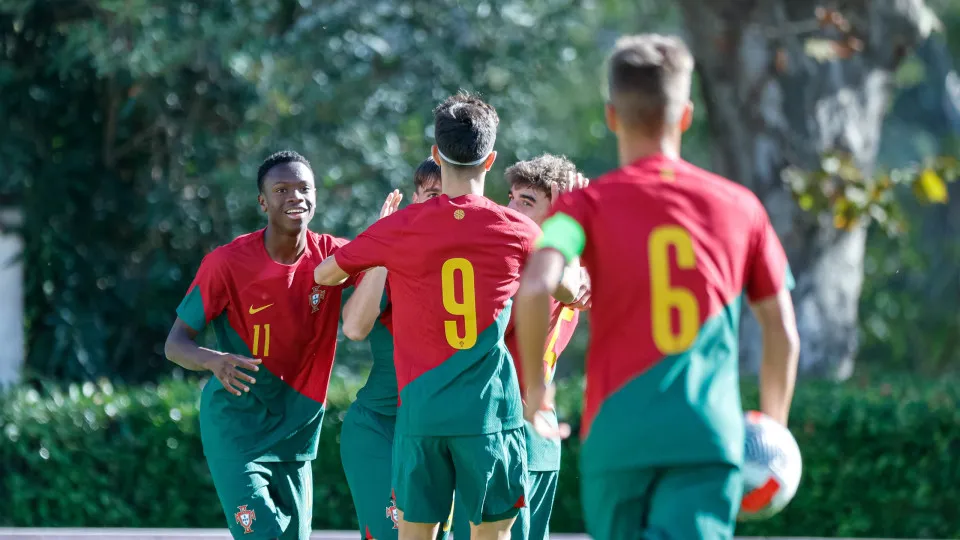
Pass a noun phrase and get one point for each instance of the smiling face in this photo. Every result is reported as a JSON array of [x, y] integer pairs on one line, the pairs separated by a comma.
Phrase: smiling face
[[530, 202], [288, 197]]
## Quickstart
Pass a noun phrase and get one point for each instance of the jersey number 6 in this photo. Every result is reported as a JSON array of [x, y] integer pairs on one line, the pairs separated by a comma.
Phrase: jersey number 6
[[467, 308], [665, 298]]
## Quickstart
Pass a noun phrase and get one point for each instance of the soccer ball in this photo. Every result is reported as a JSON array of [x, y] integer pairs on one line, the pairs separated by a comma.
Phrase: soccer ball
[[771, 467]]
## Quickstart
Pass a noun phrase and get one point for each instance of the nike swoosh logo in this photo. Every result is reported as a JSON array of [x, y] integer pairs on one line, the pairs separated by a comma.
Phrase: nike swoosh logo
[[258, 310]]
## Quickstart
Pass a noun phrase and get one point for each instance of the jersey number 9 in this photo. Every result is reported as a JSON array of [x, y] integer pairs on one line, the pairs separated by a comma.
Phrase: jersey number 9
[[664, 297], [467, 308]]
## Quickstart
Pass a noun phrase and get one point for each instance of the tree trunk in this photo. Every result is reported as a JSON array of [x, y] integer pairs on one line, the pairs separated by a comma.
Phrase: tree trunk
[[771, 105]]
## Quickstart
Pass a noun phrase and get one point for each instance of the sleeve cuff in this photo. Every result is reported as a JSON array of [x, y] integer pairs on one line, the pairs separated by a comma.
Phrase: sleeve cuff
[[564, 234]]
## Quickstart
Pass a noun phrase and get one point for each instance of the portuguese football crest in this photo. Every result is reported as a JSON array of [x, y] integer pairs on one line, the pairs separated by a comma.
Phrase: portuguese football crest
[[316, 296], [245, 518], [392, 514]]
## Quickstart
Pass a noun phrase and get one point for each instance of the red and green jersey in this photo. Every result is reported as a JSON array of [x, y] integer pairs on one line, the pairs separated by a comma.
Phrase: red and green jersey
[[563, 322], [670, 250], [379, 394], [262, 309], [454, 265], [544, 454]]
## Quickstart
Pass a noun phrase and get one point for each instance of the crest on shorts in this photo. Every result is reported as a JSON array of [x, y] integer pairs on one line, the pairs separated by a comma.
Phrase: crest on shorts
[[392, 514], [316, 296], [245, 518]]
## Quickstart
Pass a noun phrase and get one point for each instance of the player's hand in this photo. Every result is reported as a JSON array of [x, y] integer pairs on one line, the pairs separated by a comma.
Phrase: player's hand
[[391, 204], [226, 368], [540, 400], [575, 180], [584, 296]]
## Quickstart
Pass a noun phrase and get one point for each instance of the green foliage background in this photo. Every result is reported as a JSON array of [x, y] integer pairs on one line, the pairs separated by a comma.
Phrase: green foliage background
[[880, 460], [135, 129]]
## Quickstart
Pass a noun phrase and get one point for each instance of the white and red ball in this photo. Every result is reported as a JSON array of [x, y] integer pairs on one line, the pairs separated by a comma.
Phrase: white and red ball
[[771, 467]]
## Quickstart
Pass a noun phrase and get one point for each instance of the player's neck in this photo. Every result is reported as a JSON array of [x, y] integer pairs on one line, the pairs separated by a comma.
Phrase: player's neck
[[632, 147], [454, 187], [283, 247]]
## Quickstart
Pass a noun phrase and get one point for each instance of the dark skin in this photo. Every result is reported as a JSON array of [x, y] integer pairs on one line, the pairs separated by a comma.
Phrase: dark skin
[[289, 200]]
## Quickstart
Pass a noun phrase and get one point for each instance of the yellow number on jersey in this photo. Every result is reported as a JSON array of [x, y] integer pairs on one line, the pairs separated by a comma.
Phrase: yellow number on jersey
[[256, 340], [550, 355], [466, 309], [665, 297]]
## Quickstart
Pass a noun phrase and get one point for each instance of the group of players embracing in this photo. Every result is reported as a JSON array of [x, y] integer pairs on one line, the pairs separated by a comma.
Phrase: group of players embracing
[[467, 304]]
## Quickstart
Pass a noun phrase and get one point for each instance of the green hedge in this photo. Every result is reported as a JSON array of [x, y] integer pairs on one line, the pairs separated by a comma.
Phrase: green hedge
[[881, 459]]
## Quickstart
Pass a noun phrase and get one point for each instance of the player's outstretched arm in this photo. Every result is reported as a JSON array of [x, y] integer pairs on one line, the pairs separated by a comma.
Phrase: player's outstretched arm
[[363, 307], [181, 348], [781, 353], [368, 248], [571, 283], [329, 273], [532, 311]]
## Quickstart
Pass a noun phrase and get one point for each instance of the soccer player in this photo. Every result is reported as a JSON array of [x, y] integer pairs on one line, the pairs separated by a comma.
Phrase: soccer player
[[454, 262], [534, 184], [366, 438], [670, 249], [260, 427]]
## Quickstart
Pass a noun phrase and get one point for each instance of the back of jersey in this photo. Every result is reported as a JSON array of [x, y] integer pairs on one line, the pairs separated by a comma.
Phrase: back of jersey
[[454, 265], [670, 249]]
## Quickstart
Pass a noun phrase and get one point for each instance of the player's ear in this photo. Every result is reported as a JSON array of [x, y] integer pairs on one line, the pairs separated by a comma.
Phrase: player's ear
[[263, 202], [687, 119], [611, 116], [435, 152], [489, 161]]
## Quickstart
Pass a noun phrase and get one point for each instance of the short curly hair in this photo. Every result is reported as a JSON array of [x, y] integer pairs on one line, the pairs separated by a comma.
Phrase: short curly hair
[[278, 158], [541, 172]]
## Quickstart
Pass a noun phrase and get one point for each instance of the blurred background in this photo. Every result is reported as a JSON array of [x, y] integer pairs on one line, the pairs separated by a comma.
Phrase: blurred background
[[131, 135]]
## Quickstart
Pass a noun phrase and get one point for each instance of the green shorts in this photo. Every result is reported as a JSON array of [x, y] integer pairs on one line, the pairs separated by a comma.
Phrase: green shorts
[[487, 471], [265, 500], [366, 450], [533, 521], [697, 501]]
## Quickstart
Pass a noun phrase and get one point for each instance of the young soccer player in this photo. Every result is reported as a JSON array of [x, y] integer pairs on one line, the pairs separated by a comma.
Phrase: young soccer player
[[276, 331], [366, 438], [454, 262], [670, 249], [534, 184]]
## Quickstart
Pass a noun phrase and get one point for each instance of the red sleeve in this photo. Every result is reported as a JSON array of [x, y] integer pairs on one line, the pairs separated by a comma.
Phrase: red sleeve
[[354, 279], [572, 204], [767, 268], [207, 296], [373, 247]]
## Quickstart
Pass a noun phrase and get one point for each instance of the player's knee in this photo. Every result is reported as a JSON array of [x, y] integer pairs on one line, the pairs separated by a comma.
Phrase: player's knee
[[492, 530], [408, 530]]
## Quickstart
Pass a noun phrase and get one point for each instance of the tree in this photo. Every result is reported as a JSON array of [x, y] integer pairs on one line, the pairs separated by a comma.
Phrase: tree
[[786, 83], [136, 127]]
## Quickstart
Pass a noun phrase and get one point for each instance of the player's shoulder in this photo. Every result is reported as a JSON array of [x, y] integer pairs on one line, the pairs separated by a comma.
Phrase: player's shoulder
[[242, 245], [324, 242], [722, 190], [520, 220]]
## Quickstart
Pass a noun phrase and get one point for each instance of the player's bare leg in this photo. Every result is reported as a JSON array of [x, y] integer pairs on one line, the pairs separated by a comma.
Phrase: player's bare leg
[[409, 530], [493, 530]]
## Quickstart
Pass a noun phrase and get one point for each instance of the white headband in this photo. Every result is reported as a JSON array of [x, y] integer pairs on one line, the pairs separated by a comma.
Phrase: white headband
[[471, 164]]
